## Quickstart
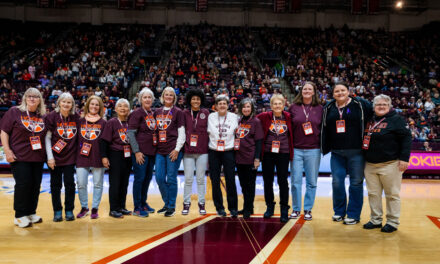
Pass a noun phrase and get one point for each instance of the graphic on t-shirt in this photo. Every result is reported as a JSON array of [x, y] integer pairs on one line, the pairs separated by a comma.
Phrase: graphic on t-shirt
[[66, 130], [123, 135], [34, 124], [90, 131], [242, 130], [151, 122], [279, 125], [163, 121]]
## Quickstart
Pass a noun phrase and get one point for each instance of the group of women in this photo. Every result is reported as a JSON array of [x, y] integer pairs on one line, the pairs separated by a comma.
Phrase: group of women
[[364, 139]]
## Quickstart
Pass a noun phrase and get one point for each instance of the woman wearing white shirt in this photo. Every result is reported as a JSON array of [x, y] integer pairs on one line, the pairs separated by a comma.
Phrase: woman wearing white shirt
[[221, 129]]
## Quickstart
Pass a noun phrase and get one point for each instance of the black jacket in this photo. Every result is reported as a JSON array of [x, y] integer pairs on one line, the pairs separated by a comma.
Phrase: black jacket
[[390, 140], [366, 109]]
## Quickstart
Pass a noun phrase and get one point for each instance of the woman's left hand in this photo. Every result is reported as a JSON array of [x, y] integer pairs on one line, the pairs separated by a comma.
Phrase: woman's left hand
[[403, 165], [256, 163], [173, 155]]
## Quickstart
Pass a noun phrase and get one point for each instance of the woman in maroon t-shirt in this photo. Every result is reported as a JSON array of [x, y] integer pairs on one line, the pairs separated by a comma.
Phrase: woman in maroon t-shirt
[[143, 142], [171, 138], [116, 156], [277, 152], [88, 157], [22, 134], [247, 145], [306, 115], [61, 145], [196, 148]]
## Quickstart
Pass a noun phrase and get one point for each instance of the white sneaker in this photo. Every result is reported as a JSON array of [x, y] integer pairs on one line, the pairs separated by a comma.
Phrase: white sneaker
[[350, 221], [295, 214], [337, 218], [35, 219], [22, 222]]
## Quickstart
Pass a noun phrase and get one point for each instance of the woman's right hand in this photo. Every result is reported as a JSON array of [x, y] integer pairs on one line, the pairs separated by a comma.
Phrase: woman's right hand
[[51, 164], [10, 156], [139, 158]]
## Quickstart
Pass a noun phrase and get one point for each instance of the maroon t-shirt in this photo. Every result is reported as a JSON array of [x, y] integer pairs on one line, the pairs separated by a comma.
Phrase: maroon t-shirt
[[115, 132], [196, 126], [248, 132], [90, 133], [19, 127], [282, 136], [300, 139], [169, 121], [65, 129], [145, 125]]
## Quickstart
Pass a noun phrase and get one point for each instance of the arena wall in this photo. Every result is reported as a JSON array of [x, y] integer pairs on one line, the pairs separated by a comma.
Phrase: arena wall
[[219, 16]]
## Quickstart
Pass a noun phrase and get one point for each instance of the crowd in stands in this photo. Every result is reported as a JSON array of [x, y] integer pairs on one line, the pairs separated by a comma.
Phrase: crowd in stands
[[221, 60], [85, 60], [326, 57]]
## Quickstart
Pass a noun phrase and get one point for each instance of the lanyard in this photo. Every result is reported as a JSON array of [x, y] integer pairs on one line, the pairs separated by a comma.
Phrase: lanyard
[[31, 123], [62, 122], [276, 124], [341, 110], [197, 117], [170, 112], [371, 128], [149, 115], [126, 127], [220, 126], [307, 114]]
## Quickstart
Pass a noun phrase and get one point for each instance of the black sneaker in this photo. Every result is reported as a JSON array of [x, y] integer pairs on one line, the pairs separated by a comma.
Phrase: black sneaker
[[240, 212], [388, 229], [234, 213], [170, 212], [246, 214], [370, 225], [269, 212], [125, 211], [163, 210], [186, 207], [116, 214], [221, 212]]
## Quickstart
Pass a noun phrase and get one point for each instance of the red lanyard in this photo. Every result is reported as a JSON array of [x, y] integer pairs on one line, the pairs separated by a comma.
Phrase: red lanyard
[[220, 126], [197, 117], [371, 128], [167, 117], [341, 110], [305, 113], [31, 123]]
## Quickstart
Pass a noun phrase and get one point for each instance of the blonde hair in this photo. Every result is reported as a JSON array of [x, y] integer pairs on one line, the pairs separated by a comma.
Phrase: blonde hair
[[65, 96], [101, 105], [41, 109], [168, 89], [277, 97]]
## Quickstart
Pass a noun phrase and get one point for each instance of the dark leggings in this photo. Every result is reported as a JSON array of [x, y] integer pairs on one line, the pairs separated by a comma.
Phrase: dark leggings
[[119, 173], [280, 161], [57, 176], [247, 175]]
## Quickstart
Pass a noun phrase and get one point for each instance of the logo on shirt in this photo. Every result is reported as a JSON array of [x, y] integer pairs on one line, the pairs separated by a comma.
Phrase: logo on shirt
[[151, 122], [123, 135], [33, 124], [90, 131], [242, 130], [66, 130], [278, 127], [202, 116], [163, 121]]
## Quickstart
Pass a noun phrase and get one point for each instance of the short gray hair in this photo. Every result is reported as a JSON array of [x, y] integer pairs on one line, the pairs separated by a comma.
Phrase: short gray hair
[[221, 97], [65, 96], [382, 97], [168, 89], [122, 101], [145, 90], [246, 101]]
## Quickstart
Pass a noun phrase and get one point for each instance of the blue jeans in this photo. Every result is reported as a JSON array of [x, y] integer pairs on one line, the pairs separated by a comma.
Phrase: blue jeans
[[166, 178], [142, 178], [343, 162], [82, 175], [306, 160]]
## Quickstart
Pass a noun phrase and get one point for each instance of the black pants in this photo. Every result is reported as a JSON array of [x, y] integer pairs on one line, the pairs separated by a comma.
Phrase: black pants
[[27, 177], [281, 162], [217, 159], [56, 183], [247, 175], [119, 173]]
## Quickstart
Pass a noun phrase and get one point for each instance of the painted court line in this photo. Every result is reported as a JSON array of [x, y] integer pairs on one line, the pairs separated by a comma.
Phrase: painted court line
[[145, 245], [276, 247], [435, 220]]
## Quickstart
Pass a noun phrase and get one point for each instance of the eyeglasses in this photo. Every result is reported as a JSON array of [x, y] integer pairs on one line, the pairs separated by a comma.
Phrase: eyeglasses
[[33, 97], [381, 105]]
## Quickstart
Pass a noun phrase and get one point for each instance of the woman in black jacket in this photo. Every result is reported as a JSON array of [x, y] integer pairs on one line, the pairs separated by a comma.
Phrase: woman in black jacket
[[387, 147]]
